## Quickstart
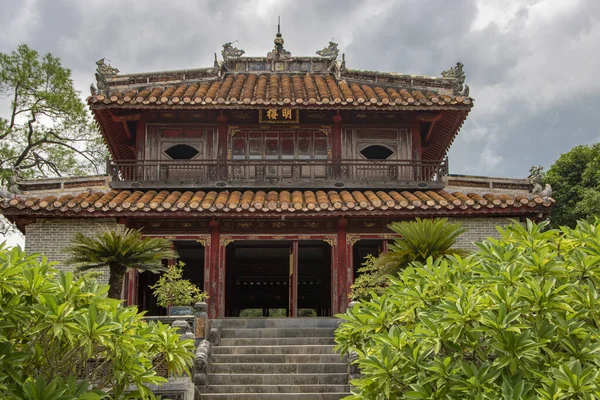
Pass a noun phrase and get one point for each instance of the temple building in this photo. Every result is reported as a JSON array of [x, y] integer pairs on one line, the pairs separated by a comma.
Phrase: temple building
[[273, 176]]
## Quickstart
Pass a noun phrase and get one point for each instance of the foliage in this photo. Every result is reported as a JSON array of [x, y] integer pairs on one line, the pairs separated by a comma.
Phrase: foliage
[[47, 130], [369, 280], [575, 181], [52, 325], [517, 320], [419, 240], [119, 249], [172, 290]]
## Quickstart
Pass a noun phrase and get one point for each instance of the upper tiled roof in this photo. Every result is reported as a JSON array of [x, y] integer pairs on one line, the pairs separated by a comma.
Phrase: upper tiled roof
[[280, 89], [280, 79], [275, 201]]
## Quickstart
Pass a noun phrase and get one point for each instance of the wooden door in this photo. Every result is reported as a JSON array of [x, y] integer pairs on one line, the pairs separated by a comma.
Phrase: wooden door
[[293, 280]]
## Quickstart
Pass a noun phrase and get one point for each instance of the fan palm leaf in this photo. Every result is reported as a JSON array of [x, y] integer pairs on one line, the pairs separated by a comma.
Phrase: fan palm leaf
[[420, 239], [119, 250]]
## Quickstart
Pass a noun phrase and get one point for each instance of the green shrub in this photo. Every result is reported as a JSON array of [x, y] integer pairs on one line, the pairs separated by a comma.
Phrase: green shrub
[[419, 240], [517, 320], [172, 290], [54, 327]]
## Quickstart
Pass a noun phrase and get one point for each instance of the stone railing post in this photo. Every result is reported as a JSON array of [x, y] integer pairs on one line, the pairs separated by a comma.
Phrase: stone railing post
[[201, 363], [200, 319]]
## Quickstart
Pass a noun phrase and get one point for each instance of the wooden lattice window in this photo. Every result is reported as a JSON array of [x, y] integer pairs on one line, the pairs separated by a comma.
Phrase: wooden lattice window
[[283, 145]]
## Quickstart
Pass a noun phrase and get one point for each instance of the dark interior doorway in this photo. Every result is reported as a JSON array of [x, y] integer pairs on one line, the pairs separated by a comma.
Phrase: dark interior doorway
[[258, 278], [314, 278], [362, 249], [191, 253]]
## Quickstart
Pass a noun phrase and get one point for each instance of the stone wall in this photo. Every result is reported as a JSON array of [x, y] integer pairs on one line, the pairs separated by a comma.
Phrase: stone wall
[[50, 236], [479, 229]]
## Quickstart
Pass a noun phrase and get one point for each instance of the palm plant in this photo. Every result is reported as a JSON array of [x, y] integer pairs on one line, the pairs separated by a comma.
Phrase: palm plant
[[119, 250], [420, 239]]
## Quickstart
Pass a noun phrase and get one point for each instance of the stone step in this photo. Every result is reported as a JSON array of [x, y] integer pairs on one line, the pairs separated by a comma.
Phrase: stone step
[[277, 332], [229, 379], [298, 349], [268, 396], [278, 368], [277, 389], [294, 341], [299, 322], [277, 358]]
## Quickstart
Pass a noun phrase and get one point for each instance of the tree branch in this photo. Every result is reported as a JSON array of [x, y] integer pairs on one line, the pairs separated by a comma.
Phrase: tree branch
[[14, 114]]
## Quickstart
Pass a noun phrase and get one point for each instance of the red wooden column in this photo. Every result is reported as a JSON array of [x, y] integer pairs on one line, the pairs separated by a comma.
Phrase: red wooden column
[[211, 272], [222, 139], [132, 287], [293, 281], [336, 138], [140, 138], [416, 139], [222, 148], [342, 269], [417, 150]]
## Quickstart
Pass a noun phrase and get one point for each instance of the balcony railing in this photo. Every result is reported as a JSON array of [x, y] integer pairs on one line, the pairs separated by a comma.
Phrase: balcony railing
[[406, 174]]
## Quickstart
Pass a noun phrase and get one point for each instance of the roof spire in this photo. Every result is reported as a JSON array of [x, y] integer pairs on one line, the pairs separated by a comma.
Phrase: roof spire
[[279, 52]]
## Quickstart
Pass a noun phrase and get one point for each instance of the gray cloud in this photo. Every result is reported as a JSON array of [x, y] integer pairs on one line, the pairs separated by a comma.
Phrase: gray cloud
[[531, 65]]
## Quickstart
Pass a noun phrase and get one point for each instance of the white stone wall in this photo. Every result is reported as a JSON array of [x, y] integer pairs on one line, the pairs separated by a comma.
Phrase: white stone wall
[[50, 237]]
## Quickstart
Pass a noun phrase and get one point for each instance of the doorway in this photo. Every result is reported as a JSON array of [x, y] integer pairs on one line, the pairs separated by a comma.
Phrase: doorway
[[191, 253], [276, 278], [364, 248]]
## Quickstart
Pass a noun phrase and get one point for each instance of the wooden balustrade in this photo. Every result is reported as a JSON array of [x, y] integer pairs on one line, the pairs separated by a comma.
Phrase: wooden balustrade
[[277, 173]]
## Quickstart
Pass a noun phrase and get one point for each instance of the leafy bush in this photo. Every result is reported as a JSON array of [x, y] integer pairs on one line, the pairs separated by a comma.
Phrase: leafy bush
[[369, 280], [419, 240], [172, 290], [517, 320], [55, 328]]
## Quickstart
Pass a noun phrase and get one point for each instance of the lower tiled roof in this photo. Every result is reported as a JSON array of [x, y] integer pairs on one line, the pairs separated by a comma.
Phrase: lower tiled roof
[[273, 201]]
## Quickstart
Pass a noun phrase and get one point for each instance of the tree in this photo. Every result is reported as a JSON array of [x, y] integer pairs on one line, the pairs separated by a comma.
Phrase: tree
[[119, 250], [419, 240], [575, 181], [62, 338], [47, 130], [519, 319]]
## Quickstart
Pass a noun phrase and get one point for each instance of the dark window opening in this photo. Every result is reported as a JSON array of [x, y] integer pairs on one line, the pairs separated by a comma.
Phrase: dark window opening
[[376, 152], [181, 152]]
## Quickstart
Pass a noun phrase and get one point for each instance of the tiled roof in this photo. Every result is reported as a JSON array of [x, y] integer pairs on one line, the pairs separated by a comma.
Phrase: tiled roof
[[280, 89], [274, 201]]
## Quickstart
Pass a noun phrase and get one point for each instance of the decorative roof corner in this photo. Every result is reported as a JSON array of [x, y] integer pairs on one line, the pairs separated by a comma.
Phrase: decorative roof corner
[[458, 74], [103, 71], [230, 53], [220, 66], [330, 51]]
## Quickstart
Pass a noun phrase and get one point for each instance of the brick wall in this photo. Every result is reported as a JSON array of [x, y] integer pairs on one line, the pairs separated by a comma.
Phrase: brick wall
[[478, 229], [51, 236]]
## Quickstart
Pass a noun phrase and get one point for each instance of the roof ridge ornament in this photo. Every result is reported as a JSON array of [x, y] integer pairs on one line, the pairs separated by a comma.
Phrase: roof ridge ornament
[[103, 71], [457, 73], [279, 53], [229, 52], [329, 51]]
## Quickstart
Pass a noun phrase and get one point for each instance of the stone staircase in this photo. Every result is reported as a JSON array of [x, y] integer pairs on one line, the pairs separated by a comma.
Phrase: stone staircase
[[277, 358]]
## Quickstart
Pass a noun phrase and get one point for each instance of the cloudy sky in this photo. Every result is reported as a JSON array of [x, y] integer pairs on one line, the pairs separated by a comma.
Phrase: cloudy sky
[[532, 65]]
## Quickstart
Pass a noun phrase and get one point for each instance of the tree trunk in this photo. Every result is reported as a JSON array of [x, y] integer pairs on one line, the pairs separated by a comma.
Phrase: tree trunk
[[115, 281]]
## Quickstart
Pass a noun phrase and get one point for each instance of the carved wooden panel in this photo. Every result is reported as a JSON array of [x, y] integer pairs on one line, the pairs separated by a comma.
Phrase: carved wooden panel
[[283, 226], [369, 225], [170, 225]]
